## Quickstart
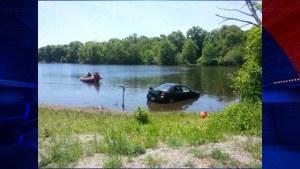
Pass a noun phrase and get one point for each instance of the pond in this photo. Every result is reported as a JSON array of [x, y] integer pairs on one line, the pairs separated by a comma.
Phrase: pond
[[59, 84]]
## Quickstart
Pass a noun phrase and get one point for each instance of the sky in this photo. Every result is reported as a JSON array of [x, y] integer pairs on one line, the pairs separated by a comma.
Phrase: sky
[[60, 22]]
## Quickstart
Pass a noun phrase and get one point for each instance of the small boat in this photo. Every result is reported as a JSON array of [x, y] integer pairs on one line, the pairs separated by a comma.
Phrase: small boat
[[91, 78]]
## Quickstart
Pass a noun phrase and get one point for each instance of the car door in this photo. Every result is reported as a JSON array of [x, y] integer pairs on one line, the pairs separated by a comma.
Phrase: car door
[[186, 92], [177, 93]]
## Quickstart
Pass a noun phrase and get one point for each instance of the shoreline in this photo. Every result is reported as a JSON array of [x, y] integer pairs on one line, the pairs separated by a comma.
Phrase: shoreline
[[89, 109]]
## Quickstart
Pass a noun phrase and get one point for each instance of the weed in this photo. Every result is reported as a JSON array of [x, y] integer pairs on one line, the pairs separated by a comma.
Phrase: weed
[[152, 162], [254, 148], [141, 116], [189, 164], [118, 143], [199, 153], [174, 142], [221, 158], [90, 148], [113, 162], [47, 133], [219, 155], [61, 152]]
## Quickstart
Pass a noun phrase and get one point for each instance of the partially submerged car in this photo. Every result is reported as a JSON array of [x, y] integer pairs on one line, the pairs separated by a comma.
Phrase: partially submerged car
[[170, 92]]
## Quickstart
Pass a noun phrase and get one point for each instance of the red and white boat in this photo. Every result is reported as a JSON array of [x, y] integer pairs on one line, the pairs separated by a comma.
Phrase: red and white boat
[[91, 78]]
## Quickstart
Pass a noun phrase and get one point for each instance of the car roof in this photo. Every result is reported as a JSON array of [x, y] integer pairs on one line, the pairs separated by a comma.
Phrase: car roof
[[171, 84], [165, 86]]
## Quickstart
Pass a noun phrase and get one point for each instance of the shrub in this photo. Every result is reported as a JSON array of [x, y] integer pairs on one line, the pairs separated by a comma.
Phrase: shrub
[[141, 116], [242, 117], [247, 82]]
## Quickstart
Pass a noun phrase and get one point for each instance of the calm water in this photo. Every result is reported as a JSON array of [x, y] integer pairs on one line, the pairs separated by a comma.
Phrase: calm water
[[59, 84]]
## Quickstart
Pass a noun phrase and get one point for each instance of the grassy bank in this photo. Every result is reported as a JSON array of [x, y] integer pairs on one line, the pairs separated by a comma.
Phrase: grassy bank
[[65, 135]]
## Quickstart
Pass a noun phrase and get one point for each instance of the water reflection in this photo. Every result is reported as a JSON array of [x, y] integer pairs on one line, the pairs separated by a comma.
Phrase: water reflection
[[213, 83], [95, 85], [207, 80], [177, 106]]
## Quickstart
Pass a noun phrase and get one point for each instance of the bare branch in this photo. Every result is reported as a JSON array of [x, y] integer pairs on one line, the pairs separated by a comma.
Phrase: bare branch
[[253, 11], [235, 19], [244, 25], [251, 7], [237, 11]]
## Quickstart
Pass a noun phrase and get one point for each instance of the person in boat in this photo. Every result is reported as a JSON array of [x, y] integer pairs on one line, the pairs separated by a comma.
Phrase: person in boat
[[88, 74], [96, 75]]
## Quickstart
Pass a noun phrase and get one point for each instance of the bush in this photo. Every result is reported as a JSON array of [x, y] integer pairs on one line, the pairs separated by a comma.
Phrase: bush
[[141, 116], [242, 117], [248, 79]]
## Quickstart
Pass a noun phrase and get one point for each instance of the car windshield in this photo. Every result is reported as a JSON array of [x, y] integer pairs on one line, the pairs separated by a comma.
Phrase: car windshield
[[164, 87]]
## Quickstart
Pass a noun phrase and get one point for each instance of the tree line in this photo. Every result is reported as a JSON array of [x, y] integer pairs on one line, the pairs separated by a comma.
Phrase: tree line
[[222, 46]]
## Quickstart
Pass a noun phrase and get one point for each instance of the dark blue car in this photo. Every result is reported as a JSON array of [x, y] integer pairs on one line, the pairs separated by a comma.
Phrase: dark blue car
[[170, 92]]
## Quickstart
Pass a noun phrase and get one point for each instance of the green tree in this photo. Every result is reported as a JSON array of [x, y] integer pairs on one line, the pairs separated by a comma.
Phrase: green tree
[[234, 56], [189, 52], [72, 53], [177, 38], [197, 34], [167, 53], [43, 54], [209, 55], [248, 80], [218, 44]]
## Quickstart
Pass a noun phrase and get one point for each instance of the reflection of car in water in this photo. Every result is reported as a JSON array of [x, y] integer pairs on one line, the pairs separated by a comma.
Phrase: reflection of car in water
[[170, 92], [177, 106]]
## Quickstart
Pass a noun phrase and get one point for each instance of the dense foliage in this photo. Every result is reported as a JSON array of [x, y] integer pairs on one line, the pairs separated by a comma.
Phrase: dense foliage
[[248, 80], [244, 117], [223, 46]]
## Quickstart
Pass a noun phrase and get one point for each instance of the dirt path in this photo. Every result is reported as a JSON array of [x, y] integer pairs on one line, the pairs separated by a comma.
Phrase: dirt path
[[185, 156]]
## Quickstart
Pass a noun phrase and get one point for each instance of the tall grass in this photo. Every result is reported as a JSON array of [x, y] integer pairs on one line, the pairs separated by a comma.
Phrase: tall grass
[[130, 135], [61, 152]]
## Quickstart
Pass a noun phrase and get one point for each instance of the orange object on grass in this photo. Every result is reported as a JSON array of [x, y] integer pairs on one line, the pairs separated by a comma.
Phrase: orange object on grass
[[203, 114]]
